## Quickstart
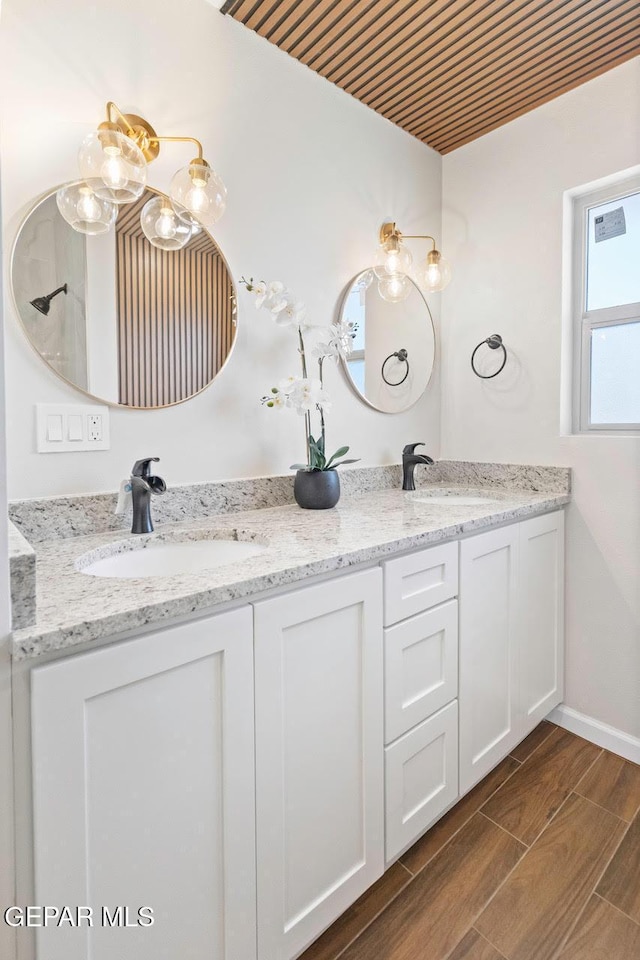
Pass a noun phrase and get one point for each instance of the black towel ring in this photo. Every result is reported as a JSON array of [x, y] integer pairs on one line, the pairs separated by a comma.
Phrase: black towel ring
[[494, 342], [403, 357]]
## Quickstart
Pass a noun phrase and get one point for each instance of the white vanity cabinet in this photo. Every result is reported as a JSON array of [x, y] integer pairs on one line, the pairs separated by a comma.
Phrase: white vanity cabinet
[[377, 698], [319, 761], [143, 793], [511, 638]]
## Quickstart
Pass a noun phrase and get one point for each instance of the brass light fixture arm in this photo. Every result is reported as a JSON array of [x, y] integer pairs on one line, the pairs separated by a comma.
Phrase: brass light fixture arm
[[179, 140], [419, 236], [389, 231], [143, 135], [113, 108]]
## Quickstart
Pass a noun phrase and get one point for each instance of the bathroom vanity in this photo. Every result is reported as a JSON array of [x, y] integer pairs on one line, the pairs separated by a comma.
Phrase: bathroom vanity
[[250, 770]]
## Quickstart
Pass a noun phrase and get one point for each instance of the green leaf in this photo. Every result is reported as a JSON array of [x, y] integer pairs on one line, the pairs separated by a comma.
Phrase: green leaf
[[299, 466], [340, 452], [316, 456], [339, 464]]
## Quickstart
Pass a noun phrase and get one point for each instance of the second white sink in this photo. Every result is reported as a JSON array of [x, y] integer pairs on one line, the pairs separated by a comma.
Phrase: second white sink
[[160, 558]]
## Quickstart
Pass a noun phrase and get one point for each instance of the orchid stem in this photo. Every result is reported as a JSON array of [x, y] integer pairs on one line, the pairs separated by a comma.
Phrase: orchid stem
[[302, 354], [307, 427], [307, 416], [320, 362]]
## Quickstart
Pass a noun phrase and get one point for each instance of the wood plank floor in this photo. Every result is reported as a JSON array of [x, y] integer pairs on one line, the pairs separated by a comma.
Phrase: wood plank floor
[[540, 861]]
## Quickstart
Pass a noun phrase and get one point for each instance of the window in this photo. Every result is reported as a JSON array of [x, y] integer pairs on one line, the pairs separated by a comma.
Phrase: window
[[355, 313], [606, 313]]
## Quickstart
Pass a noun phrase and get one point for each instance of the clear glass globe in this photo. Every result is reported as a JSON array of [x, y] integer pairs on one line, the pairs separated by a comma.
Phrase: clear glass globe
[[392, 258], [198, 192], [434, 274], [394, 289], [162, 226], [113, 166], [84, 211]]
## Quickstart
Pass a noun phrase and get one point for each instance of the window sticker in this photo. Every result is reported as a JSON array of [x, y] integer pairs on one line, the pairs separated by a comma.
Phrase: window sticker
[[610, 224]]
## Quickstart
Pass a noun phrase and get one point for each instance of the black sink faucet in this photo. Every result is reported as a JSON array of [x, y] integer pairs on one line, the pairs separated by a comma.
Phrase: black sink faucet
[[409, 460], [142, 486]]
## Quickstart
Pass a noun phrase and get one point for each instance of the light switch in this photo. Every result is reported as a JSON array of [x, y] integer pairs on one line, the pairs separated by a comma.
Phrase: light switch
[[54, 428], [74, 425], [71, 427]]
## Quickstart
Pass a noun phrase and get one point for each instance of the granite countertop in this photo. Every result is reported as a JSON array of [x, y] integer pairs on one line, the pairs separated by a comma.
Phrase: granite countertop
[[22, 566], [73, 608]]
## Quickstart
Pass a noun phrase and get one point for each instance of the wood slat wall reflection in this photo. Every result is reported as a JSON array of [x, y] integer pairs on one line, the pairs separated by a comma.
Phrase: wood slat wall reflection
[[175, 320], [449, 71]]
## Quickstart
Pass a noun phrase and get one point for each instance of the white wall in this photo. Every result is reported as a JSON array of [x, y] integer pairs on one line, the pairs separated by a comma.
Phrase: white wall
[[502, 229], [311, 174], [7, 878]]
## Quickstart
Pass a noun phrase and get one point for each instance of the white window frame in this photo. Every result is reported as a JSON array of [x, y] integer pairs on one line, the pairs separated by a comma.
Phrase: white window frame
[[586, 321]]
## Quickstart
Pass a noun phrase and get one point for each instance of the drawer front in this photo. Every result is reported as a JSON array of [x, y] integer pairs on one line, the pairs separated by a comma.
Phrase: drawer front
[[421, 779], [419, 581], [421, 668]]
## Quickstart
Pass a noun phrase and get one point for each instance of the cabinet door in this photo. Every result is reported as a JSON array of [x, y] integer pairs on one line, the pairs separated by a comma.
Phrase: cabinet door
[[541, 617], [143, 774], [421, 778], [319, 757], [488, 689]]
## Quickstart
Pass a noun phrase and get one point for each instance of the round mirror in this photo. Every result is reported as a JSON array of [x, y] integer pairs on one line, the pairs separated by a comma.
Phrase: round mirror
[[394, 346], [118, 317]]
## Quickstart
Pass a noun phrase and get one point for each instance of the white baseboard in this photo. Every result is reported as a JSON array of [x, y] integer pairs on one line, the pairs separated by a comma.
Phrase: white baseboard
[[597, 732]]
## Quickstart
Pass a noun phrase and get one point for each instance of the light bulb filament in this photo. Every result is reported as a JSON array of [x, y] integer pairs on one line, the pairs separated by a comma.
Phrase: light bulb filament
[[166, 224], [87, 206]]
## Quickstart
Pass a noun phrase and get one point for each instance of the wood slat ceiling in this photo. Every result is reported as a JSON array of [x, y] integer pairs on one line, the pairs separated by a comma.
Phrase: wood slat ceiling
[[449, 71]]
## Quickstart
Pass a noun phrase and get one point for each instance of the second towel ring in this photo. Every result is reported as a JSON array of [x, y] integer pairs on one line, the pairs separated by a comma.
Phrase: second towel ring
[[494, 342], [403, 357]]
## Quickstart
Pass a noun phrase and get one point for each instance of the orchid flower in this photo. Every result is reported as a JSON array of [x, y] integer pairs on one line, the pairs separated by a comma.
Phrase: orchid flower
[[306, 395]]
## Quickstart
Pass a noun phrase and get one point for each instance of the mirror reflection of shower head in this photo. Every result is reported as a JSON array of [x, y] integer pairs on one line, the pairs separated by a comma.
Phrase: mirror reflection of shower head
[[43, 303]]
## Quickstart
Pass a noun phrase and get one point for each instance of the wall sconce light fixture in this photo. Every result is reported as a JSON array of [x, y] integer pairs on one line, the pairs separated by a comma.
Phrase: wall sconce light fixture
[[393, 262], [113, 164]]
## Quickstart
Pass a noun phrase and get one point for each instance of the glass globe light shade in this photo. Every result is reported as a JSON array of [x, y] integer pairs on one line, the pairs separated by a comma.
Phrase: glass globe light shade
[[198, 192], [113, 166], [392, 258], [162, 226], [434, 273], [395, 289], [84, 211]]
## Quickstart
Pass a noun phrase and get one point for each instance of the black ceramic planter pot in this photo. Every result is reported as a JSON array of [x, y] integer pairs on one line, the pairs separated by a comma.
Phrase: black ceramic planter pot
[[316, 489]]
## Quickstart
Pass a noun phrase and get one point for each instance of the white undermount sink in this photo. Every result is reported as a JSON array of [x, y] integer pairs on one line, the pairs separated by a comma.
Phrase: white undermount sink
[[165, 558]]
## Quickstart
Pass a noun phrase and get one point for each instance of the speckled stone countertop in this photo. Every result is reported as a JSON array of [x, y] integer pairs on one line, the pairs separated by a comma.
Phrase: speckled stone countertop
[[73, 608], [22, 567]]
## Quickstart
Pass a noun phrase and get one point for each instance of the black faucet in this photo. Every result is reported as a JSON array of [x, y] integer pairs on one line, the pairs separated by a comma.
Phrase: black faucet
[[409, 460], [142, 486]]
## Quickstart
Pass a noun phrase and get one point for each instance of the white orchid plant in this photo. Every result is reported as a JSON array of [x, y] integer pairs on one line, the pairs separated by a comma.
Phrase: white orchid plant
[[306, 394]]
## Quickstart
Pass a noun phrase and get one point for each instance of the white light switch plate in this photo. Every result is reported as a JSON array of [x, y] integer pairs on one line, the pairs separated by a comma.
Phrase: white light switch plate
[[85, 426]]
